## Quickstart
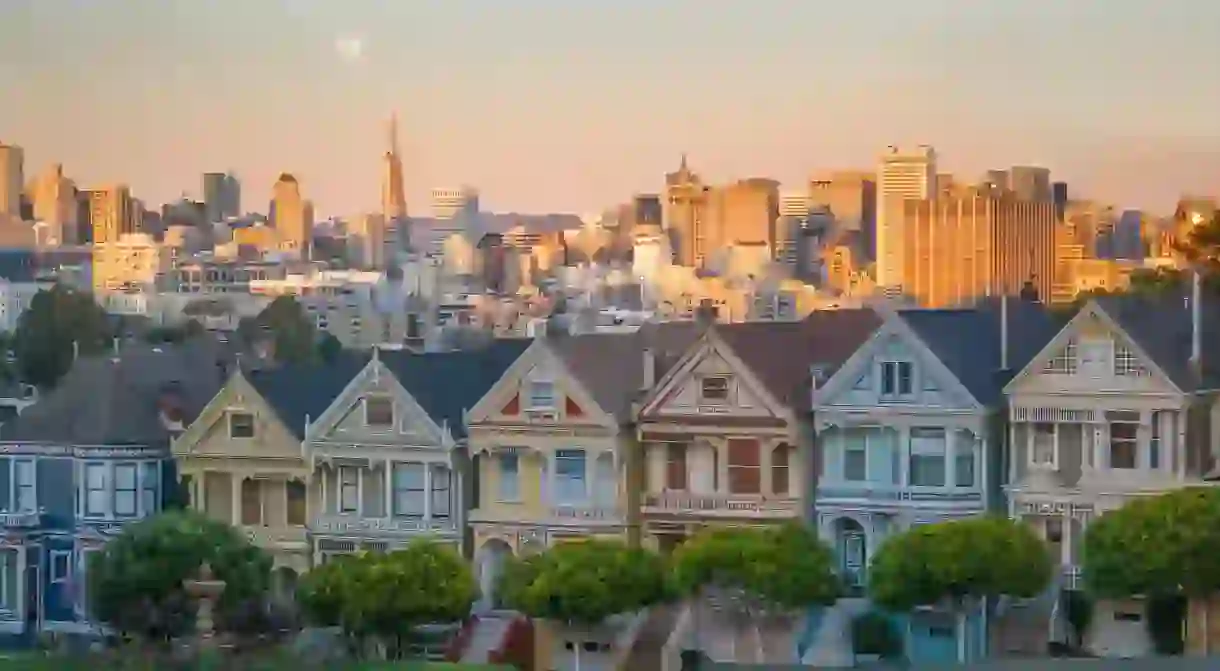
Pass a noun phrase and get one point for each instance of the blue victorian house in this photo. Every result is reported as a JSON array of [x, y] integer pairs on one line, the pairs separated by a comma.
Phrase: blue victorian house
[[88, 458]]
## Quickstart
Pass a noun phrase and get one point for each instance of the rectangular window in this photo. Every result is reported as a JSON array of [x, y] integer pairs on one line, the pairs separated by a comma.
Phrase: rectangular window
[[61, 566], [95, 490], [928, 457], [1064, 362], [714, 389], [378, 411], [571, 482], [779, 469], [24, 478], [744, 467], [294, 497], [440, 491], [855, 455], [897, 378], [1126, 362], [251, 501], [964, 465], [1042, 447], [349, 489], [1124, 444], [126, 488], [509, 480], [675, 466], [1154, 441], [410, 491], [241, 425], [541, 395], [150, 481], [8, 579]]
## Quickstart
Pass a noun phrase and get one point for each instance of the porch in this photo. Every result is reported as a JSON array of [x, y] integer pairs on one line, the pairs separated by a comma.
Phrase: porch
[[269, 506]]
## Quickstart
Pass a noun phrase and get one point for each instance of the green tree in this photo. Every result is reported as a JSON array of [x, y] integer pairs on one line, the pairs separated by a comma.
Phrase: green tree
[[757, 571], [579, 585], [1202, 247], [292, 332], [136, 582], [386, 597], [59, 323], [959, 564], [329, 348]]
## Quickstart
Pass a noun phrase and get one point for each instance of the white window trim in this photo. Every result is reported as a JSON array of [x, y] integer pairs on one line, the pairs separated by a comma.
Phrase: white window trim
[[585, 494], [14, 494], [339, 486], [229, 422], [529, 395], [107, 511], [500, 494], [1031, 440], [114, 489], [943, 453], [143, 485], [728, 390], [843, 466], [66, 555], [897, 395]]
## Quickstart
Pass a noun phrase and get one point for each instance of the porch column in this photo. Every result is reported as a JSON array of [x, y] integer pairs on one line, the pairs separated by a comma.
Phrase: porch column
[[1099, 447], [235, 484], [904, 455], [1164, 428], [950, 456], [1143, 441], [322, 477], [549, 457], [192, 490], [1011, 451], [360, 491], [427, 491], [389, 488], [1180, 450], [1065, 548]]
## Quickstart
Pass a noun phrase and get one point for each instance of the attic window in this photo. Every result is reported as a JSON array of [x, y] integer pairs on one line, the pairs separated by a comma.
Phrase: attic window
[[378, 411], [1065, 361], [1126, 362], [714, 388], [241, 425]]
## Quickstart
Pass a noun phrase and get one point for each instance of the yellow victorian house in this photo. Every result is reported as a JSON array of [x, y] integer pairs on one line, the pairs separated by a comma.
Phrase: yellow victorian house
[[242, 460]]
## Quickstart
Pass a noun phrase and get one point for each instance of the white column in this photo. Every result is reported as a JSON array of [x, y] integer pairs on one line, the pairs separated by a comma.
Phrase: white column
[[950, 456], [904, 454], [1065, 548], [323, 476], [549, 456], [981, 468], [235, 483], [389, 488], [360, 492], [1143, 441], [1099, 447], [427, 491], [1179, 448], [1012, 453], [1055, 440]]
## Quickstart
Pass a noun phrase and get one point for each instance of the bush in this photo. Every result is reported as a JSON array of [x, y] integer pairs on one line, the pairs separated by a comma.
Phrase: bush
[[873, 633]]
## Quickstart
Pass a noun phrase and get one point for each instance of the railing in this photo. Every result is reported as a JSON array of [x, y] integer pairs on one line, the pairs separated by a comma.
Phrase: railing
[[720, 503], [20, 520], [342, 524], [580, 512], [898, 494], [272, 536]]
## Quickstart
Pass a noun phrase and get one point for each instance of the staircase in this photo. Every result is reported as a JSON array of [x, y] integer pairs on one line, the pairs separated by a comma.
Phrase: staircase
[[832, 646], [488, 634], [648, 648]]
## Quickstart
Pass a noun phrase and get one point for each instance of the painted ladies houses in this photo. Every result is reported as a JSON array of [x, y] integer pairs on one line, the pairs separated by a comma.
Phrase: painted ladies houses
[[552, 439], [388, 455], [88, 458], [242, 461], [1116, 406], [725, 437], [907, 435]]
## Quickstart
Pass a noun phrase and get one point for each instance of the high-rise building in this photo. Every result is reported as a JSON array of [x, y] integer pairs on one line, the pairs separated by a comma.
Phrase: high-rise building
[[683, 215], [851, 199], [290, 215], [54, 200], [393, 196], [901, 175], [969, 245], [221, 196], [743, 212], [366, 241], [12, 180], [112, 213], [461, 203], [1030, 183]]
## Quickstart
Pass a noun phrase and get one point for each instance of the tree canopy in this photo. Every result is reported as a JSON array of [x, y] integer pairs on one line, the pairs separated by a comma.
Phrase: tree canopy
[[782, 568], [293, 334], [954, 561], [388, 595], [46, 332], [1202, 247], [1163, 545], [584, 583], [136, 582]]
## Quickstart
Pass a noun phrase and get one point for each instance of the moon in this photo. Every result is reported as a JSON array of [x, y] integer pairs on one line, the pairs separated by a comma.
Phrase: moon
[[350, 48]]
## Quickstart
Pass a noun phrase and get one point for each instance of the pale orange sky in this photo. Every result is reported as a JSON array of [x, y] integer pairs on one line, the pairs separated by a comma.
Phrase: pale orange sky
[[554, 105]]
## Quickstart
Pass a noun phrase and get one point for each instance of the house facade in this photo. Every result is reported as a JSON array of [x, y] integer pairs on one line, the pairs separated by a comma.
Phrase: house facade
[[242, 460], [907, 436], [86, 460], [1116, 406], [388, 455]]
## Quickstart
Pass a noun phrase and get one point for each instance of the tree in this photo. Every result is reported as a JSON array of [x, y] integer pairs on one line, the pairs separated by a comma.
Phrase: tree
[[580, 585], [959, 564], [758, 571], [386, 597], [59, 324], [292, 333], [136, 582], [1202, 247], [329, 348]]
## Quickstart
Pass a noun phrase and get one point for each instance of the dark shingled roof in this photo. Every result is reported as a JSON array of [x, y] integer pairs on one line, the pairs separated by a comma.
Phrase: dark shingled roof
[[446, 384], [968, 341], [1162, 325], [297, 392], [106, 400], [18, 265]]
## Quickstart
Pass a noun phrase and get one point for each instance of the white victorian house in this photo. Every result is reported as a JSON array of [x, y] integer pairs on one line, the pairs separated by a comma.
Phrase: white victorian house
[[1116, 406], [906, 437]]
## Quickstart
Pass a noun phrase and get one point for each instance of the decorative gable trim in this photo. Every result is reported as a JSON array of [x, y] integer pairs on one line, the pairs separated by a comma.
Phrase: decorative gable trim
[[488, 406], [351, 400], [236, 391], [512, 381]]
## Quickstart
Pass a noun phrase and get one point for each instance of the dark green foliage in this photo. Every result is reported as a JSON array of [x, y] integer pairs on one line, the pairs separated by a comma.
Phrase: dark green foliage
[[952, 562], [57, 318], [1164, 617], [873, 633], [136, 581], [1078, 610], [329, 348], [584, 583], [292, 333], [785, 567], [174, 334]]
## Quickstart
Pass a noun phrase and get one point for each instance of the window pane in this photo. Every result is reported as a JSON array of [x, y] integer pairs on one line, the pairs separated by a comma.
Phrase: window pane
[[965, 470], [854, 465], [675, 466], [294, 491], [927, 470], [25, 473], [440, 491], [570, 478], [96, 502], [1044, 444], [95, 476], [125, 476], [508, 478], [251, 502], [125, 502], [604, 482], [409, 493]]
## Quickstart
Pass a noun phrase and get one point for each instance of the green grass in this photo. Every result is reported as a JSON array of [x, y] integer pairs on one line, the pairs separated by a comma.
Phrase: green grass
[[39, 662]]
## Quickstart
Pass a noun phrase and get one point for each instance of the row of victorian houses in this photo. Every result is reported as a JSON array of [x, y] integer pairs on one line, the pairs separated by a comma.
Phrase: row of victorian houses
[[859, 422]]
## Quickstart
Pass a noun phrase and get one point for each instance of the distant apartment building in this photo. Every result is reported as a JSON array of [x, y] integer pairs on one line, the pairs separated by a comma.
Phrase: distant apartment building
[[12, 180], [901, 175], [851, 199], [965, 247], [221, 196], [366, 241], [360, 309], [1030, 183], [112, 213], [683, 215], [450, 203], [703, 219], [134, 262], [291, 215], [54, 202], [221, 276]]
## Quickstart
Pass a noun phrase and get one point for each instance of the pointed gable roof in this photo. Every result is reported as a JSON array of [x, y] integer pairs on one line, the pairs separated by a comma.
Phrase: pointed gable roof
[[302, 392], [447, 384], [1162, 326], [968, 341]]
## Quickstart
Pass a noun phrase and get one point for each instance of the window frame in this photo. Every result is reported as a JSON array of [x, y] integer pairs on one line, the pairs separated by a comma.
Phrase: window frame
[[783, 470], [103, 490], [566, 492], [915, 451], [134, 490], [389, 401], [150, 488], [863, 451], [1064, 362], [1031, 457], [1132, 442], [677, 467], [719, 396], [1126, 362], [398, 490], [430, 485], [342, 489], [502, 493], [57, 577], [288, 503], [532, 397], [736, 468], [15, 504], [257, 502], [234, 414], [891, 375]]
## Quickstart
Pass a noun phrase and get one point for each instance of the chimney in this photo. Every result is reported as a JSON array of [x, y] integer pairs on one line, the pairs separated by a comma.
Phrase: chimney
[[650, 369], [1196, 322], [1004, 332]]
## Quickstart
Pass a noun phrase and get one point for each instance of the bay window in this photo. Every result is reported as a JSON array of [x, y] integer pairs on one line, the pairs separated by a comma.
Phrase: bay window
[[24, 486], [927, 457], [349, 489]]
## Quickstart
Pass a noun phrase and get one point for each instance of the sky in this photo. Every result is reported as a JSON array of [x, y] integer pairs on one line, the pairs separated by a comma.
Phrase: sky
[[573, 105]]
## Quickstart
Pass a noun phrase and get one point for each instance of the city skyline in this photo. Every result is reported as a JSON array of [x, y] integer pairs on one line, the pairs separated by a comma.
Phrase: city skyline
[[550, 107]]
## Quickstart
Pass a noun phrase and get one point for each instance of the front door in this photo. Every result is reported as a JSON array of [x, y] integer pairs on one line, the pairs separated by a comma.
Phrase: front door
[[852, 551]]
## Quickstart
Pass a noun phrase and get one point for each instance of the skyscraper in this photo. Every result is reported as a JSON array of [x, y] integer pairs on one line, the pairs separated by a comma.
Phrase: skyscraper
[[12, 179], [54, 199], [458, 203], [900, 176], [221, 196], [393, 197], [290, 215], [111, 213]]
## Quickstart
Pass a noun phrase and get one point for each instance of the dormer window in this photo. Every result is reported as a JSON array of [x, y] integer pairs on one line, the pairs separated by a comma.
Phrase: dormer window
[[241, 425], [378, 411], [897, 379], [541, 395], [1065, 361], [714, 389]]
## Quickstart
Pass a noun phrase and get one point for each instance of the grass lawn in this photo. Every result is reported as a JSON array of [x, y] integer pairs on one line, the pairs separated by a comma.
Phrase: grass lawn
[[38, 662]]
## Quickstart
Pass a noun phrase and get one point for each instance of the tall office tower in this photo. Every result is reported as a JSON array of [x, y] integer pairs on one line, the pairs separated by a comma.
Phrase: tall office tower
[[393, 197], [793, 204], [221, 196], [460, 203], [974, 244], [111, 213], [1030, 183], [54, 199], [366, 241], [901, 175], [742, 212], [12, 179], [290, 216], [851, 198], [683, 216]]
